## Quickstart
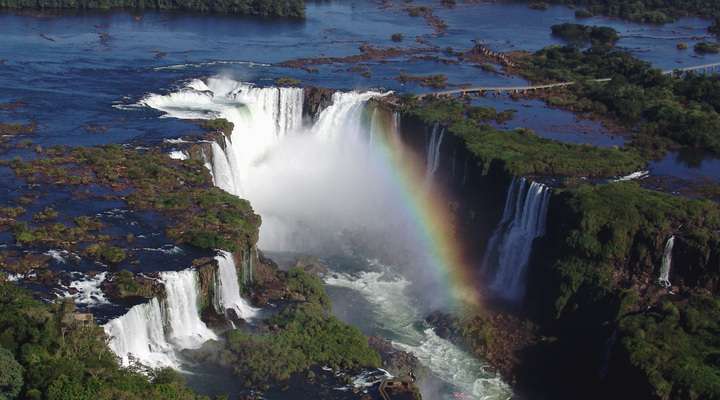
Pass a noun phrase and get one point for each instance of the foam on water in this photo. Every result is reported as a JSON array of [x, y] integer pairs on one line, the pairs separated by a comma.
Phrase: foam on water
[[397, 314], [227, 290], [87, 290]]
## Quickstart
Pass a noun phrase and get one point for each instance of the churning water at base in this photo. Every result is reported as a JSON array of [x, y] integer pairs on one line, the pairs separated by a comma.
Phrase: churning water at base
[[186, 329], [227, 290], [152, 333], [323, 185], [509, 248], [395, 313], [139, 335]]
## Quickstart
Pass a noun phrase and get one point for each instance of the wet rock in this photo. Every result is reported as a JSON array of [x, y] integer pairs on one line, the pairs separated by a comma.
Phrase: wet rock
[[399, 363], [316, 99]]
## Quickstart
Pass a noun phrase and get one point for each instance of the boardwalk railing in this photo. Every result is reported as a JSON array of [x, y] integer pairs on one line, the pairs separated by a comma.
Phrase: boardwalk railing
[[524, 89]]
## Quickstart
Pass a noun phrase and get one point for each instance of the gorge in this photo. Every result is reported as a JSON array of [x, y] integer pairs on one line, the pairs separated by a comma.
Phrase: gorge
[[202, 207]]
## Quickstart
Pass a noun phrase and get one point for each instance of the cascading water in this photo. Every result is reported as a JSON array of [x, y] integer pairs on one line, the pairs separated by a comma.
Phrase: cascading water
[[262, 116], [509, 248], [397, 314], [664, 278], [227, 289], [140, 335], [247, 266], [326, 189], [151, 333], [433, 151], [186, 329]]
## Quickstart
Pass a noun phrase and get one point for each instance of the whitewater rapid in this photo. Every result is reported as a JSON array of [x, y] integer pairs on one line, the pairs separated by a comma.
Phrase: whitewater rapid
[[322, 186], [395, 312]]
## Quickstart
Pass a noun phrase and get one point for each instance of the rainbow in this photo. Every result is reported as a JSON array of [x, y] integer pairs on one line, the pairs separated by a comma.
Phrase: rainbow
[[428, 207]]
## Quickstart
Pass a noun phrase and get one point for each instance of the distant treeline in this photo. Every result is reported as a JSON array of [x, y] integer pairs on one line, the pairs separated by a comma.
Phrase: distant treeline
[[269, 8], [655, 11]]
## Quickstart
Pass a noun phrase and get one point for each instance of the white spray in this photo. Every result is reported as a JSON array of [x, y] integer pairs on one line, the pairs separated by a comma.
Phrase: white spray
[[509, 248]]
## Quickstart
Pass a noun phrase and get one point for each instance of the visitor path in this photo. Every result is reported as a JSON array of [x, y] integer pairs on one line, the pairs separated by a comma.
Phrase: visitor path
[[480, 90]]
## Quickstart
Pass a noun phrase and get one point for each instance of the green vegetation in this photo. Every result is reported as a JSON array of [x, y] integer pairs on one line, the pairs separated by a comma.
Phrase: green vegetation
[[707, 48], [302, 336], [582, 34], [662, 109], [284, 81], [47, 214], [308, 286], [438, 81], [107, 253], [226, 127], [199, 213], [675, 347], [594, 277], [46, 354], [17, 129], [269, 8], [55, 234], [521, 152], [651, 11], [621, 228], [11, 375]]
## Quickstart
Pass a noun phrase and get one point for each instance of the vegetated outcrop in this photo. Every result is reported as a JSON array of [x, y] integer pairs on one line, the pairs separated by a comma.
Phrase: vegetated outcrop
[[50, 351], [519, 152], [597, 321], [189, 211], [663, 110], [593, 286], [265, 8], [582, 34]]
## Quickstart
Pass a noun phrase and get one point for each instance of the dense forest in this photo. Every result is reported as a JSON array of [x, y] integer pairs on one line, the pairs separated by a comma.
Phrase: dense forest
[[270, 8], [46, 353], [662, 108], [653, 11]]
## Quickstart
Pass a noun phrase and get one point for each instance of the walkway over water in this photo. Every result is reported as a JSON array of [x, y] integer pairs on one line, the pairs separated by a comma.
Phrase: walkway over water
[[706, 68]]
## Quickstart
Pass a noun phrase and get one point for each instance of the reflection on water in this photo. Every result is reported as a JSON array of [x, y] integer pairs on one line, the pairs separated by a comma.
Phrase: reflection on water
[[551, 123], [689, 164]]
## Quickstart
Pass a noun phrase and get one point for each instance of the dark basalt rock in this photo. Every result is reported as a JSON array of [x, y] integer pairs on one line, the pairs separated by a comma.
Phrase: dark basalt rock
[[316, 99], [399, 363]]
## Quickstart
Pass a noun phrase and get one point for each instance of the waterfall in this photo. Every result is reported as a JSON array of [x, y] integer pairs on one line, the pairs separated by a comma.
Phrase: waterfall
[[247, 266], [433, 151], [261, 116], [153, 332], [222, 172], [227, 289], [186, 329], [509, 248], [140, 335], [664, 278]]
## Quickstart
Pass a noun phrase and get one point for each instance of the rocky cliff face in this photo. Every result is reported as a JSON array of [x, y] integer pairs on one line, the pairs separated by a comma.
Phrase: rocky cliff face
[[599, 321], [476, 192]]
